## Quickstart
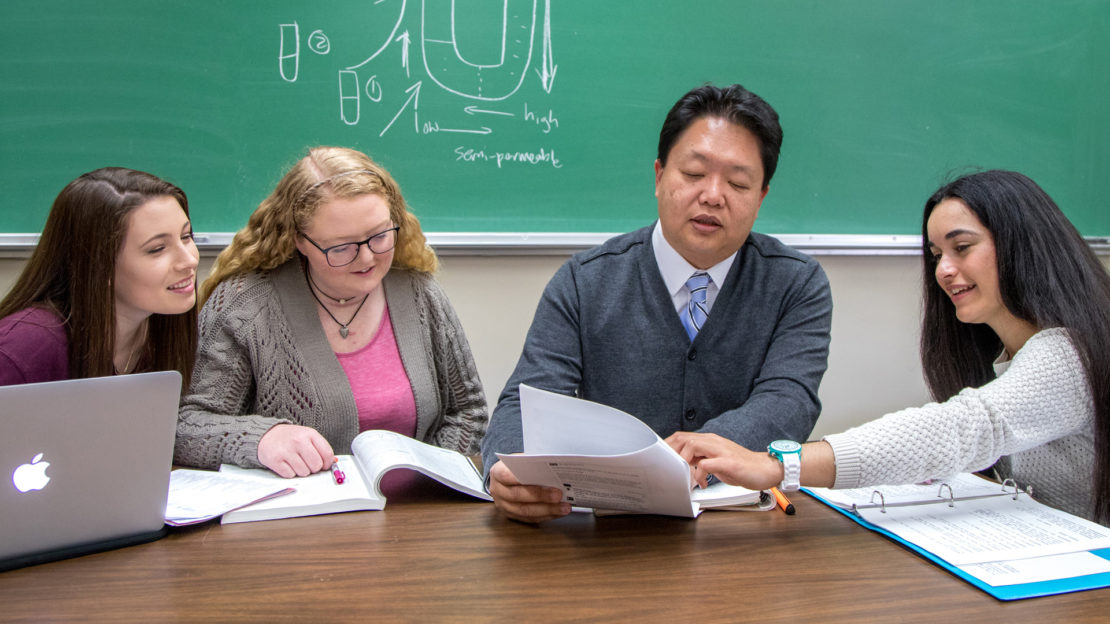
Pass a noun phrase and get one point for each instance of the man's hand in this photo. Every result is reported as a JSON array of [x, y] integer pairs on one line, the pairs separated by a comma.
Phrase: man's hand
[[526, 503]]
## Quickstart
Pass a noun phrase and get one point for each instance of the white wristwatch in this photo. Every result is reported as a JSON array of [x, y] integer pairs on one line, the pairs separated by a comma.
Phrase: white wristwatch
[[790, 454]]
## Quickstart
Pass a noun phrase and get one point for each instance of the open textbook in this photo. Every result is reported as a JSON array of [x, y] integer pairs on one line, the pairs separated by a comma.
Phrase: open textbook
[[374, 453], [995, 537], [606, 459]]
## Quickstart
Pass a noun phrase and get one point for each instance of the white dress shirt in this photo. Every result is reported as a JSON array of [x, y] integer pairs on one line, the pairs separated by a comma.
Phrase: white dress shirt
[[676, 270]]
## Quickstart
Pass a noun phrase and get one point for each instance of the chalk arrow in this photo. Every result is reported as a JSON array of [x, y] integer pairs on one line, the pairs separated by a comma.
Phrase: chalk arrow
[[473, 110], [415, 99], [547, 66], [405, 41], [482, 130]]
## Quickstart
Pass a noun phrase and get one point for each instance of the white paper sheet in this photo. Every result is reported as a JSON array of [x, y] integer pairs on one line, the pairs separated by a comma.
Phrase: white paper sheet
[[199, 495], [1038, 569], [990, 529], [599, 456]]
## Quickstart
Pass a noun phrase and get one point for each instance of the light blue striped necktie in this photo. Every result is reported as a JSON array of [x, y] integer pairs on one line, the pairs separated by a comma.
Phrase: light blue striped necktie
[[693, 317]]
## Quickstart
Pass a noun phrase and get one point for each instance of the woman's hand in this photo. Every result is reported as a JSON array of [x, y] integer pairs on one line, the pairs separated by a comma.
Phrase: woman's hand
[[294, 451], [710, 454]]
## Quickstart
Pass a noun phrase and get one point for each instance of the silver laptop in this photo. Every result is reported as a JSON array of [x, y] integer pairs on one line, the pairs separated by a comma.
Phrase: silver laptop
[[84, 465]]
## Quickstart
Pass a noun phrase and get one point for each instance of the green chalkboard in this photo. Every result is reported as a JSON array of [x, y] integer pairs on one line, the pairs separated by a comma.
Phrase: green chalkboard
[[543, 115]]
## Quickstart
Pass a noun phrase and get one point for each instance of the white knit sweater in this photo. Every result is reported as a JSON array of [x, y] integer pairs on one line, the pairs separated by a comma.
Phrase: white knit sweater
[[1039, 412]]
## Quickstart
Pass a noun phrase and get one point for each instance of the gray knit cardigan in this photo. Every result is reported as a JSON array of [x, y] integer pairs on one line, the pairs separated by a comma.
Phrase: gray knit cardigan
[[263, 359]]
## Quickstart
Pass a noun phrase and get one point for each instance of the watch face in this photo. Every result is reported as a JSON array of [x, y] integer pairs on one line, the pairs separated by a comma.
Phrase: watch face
[[785, 446]]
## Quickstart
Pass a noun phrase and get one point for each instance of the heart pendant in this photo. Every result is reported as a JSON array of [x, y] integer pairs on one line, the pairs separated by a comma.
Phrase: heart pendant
[[343, 331]]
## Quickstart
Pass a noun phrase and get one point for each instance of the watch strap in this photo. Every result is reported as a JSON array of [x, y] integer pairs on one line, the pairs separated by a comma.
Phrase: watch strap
[[791, 471]]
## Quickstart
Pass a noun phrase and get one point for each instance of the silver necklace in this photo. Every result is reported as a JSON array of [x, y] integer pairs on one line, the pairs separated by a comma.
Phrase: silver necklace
[[343, 327]]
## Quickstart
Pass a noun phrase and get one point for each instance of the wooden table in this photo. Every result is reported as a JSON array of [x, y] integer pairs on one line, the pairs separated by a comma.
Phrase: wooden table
[[438, 556]]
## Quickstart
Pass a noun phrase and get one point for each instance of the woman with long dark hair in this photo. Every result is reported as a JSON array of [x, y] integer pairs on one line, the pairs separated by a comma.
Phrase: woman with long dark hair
[[111, 286], [1016, 351]]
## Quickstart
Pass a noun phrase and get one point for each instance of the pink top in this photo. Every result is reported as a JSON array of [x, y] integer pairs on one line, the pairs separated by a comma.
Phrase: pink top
[[383, 394]]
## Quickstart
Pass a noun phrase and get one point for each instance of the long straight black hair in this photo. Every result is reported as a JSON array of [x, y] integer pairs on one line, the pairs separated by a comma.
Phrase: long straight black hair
[[1047, 276]]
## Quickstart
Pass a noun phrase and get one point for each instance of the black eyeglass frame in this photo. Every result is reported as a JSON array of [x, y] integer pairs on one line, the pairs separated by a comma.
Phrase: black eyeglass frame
[[327, 251]]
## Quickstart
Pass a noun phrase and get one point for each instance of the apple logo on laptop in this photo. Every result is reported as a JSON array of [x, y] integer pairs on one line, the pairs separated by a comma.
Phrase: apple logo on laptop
[[31, 476]]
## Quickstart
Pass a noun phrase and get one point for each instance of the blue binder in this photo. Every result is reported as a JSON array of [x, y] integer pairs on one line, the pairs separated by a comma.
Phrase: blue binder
[[1002, 592]]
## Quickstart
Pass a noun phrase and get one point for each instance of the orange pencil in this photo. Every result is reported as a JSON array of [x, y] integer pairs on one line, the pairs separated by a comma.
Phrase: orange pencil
[[784, 503]]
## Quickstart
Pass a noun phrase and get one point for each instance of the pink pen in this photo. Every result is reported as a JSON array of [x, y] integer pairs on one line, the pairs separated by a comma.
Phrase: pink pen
[[337, 473]]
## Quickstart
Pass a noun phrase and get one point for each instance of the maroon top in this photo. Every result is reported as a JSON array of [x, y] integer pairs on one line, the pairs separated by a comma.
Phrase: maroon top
[[33, 347]]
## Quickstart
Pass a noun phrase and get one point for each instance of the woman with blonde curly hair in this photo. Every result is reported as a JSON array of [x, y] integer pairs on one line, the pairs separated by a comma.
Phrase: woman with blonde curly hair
[[321, 319]]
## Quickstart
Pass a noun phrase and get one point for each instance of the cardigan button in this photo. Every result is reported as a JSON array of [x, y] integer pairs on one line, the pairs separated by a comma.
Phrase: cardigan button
[[692, 355], [690, 413]]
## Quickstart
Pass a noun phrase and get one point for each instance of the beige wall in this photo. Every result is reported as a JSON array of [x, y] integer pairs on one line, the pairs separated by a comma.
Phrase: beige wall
[[873, 366]]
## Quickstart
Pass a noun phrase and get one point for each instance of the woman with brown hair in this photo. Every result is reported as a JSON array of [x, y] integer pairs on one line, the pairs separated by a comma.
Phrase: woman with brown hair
[[110, 288], [321, 320]]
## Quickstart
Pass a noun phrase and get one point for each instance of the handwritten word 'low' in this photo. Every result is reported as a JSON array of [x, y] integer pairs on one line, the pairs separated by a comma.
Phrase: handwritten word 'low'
[[531, 158]]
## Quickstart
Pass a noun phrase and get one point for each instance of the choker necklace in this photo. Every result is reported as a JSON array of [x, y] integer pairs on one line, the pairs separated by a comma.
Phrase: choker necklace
[[343, 327], [312, 282]]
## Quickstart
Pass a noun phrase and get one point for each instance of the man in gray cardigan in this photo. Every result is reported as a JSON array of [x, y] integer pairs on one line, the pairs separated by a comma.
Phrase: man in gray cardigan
[[692, 324]]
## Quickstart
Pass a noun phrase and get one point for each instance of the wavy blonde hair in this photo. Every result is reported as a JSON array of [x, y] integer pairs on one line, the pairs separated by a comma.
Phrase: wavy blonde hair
[[269, 238]]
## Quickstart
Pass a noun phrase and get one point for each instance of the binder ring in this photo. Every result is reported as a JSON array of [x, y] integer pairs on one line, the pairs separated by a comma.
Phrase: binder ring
[[882, 501], [951, 497], [1011, 483]]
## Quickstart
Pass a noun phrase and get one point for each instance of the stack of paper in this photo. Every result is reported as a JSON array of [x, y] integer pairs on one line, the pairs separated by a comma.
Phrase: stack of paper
[[996, 538], [606, 459], [200, 495]]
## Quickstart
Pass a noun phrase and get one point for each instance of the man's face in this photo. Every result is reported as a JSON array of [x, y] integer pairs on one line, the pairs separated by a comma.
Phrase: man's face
[[710, 190]]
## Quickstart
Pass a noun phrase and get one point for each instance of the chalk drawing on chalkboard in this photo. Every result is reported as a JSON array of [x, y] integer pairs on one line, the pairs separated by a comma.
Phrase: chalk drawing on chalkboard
[[488, 81], [415, 100], [388, 40], [471, 51], [547, 69], [406, 41], [374, 89], [350, 102], [318, 42], [289, 63]]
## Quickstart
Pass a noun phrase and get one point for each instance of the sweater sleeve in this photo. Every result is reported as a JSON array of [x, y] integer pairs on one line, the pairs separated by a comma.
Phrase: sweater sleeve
[[551, 359], [33, 347], [213, 425], [462, 399], [1043, 396]]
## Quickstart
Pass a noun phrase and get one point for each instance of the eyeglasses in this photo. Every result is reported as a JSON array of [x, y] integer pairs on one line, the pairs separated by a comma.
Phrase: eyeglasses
[[345, 253]]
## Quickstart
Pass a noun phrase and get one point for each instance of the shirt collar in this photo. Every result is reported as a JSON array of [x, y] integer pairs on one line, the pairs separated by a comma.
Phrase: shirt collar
[[676, 270], [1002, 363]]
